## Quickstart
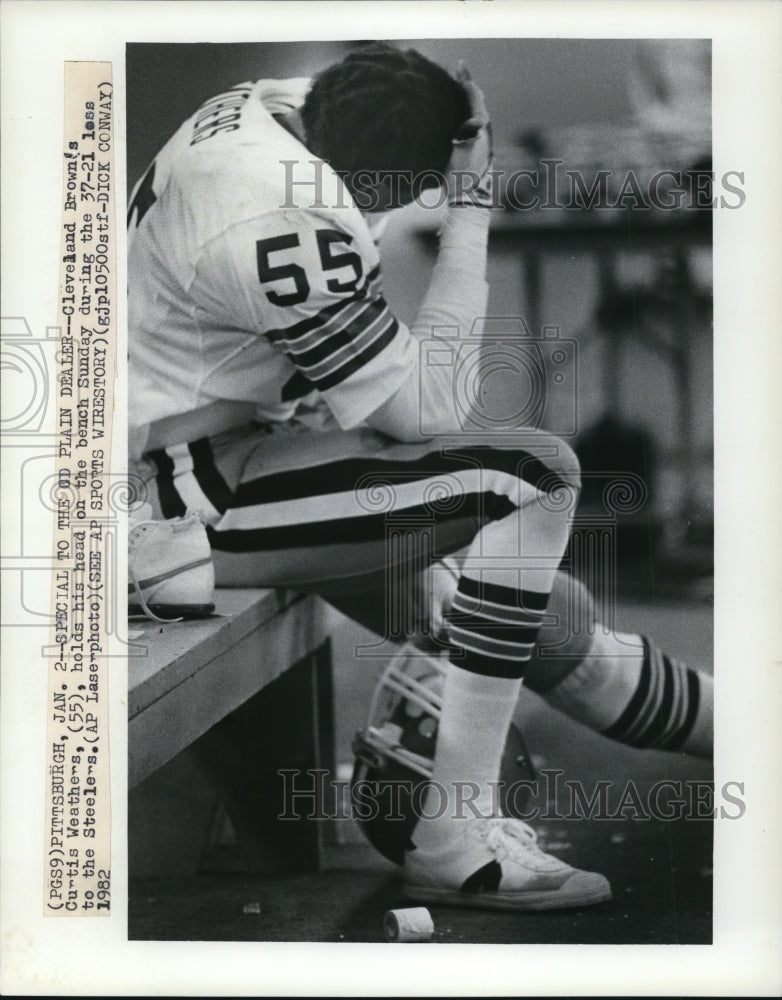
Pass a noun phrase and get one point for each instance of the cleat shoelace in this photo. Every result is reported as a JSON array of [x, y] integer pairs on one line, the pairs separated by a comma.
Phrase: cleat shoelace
[[504, 837]]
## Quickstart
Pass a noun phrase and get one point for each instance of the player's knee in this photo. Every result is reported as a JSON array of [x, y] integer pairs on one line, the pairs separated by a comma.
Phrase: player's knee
[[556, 473], [551, 454], [564, 463]]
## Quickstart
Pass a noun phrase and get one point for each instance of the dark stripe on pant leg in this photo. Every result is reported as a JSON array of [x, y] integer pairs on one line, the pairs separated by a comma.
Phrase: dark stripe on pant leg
[[346, 474], [208, 475], [171, 504], [676, 741], [618, 729], [371, 527], [526, 600]]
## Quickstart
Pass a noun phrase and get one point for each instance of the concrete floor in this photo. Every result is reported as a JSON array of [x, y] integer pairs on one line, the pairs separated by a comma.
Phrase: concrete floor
[[660, 871], [661, 875]]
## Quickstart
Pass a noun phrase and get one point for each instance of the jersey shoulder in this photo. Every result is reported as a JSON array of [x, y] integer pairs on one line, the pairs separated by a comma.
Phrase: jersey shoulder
[[245, 105], [236, 162]]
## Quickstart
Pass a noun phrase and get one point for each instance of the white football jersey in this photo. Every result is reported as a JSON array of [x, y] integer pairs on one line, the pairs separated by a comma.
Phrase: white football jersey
[[252, 276]]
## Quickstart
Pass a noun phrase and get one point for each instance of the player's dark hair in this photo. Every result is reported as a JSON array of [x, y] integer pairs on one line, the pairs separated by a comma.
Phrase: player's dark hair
[[384, 109]]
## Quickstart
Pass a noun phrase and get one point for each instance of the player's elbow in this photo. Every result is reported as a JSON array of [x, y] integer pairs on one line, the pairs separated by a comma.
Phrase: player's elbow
[[422, 408], [399, 417], [397, 424]]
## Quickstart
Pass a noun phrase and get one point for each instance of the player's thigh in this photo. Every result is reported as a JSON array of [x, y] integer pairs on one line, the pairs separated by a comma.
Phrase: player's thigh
[[343, 508], [342, 513], [350, 513]]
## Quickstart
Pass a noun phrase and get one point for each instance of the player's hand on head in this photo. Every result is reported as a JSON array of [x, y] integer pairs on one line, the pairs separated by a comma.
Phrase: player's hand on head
[[479, 115], [468, 175]]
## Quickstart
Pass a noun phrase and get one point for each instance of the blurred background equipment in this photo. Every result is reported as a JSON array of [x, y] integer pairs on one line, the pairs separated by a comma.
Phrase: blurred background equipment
[[605, 238]]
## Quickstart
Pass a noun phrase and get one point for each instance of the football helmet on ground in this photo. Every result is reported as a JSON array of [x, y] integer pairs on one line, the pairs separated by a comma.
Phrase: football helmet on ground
[[394, 753]]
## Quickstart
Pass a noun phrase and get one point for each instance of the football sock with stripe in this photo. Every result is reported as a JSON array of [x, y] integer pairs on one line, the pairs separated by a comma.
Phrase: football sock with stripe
[[493, 630], [475, 719], [493, 625], [632, 692]]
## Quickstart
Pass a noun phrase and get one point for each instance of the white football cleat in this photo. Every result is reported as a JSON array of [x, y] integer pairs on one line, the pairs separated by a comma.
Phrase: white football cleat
[[495, 864], [170, 569]]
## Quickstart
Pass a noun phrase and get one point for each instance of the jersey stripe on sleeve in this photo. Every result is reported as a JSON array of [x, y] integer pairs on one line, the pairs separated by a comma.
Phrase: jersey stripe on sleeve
[[340, 339], [326, 319]]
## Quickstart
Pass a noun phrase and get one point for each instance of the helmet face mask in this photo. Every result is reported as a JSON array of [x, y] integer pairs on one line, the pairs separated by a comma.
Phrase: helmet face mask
[[395, 752], [405, 710]]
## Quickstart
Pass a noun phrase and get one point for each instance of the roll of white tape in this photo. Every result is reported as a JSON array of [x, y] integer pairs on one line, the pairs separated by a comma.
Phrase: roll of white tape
[[414, 924]]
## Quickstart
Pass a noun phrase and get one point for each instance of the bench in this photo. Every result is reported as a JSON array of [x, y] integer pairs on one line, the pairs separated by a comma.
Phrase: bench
[[216, 708]]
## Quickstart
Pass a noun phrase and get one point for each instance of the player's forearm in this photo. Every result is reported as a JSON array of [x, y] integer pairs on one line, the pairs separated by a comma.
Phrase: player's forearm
[[457, 291], [425, 405], [456, 298]]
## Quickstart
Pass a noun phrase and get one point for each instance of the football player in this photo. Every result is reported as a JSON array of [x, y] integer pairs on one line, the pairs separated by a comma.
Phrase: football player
[[273, 389]]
